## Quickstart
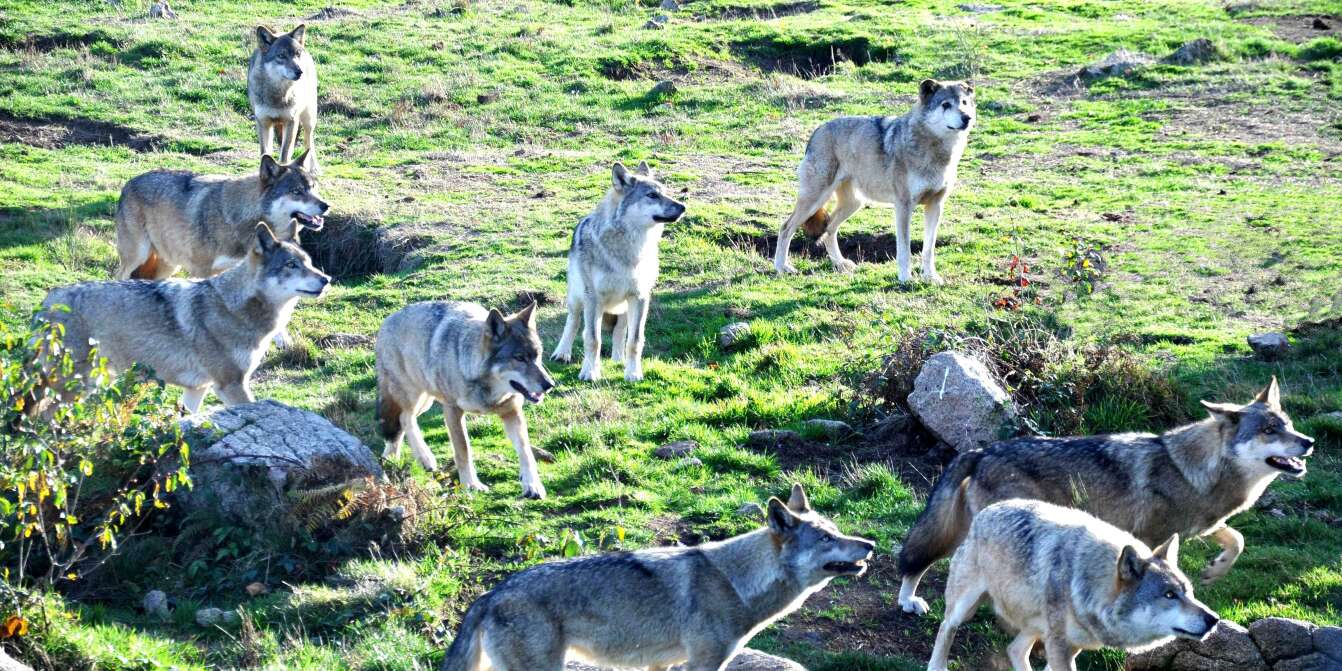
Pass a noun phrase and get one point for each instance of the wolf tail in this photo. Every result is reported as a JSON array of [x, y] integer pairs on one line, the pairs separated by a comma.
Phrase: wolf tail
[[944, 522], [464, 653], [389, 417], [817, 223]]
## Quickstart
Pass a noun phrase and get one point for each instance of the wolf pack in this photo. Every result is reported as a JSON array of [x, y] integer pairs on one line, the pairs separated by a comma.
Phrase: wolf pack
[[1075, 541]]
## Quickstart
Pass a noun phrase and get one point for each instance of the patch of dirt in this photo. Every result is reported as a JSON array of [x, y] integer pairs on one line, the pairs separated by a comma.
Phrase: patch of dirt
[[765, 13], [811, 59], [1300, 28], [525, 297], [333, 13], [352, 246], [57, 133], [337, 103], [857, 247], [62, 40]]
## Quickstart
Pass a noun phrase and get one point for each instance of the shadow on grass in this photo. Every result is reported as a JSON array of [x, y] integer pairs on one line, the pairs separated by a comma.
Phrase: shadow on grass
[[22, 226]]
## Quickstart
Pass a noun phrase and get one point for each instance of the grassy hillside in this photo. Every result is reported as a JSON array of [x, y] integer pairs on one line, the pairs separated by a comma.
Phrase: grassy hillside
[[461, 140]]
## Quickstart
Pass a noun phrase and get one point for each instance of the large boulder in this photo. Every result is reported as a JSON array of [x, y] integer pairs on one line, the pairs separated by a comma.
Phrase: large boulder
[[1282, 638], [746, 660], [1228, 647], [247, 459], [958, 400]]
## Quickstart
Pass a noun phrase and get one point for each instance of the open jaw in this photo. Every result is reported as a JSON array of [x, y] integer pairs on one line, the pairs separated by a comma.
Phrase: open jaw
[[846, 567], [531, 396], [1288, 465], [309, 221]]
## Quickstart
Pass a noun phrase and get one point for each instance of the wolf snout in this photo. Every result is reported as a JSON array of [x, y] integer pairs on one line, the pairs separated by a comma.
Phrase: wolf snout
[[297, 74], [966, 119]]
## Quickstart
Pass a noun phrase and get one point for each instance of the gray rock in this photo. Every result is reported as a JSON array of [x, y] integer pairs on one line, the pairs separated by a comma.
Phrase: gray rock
[[689, 462], [247, 458], [665, 87], [1228, 647], [161, 10], [1312, 662], [975, 8], [8, 663], [344, 341], [1117, 64], [657, 22], [156, 604], [209, 617], [680, 448], [1328, 641], [732, 335], [1269, 346], [830, 427], [746, 660], [670, 5], [1155, 659], [1194, 52], [956, 398], [1279, 638], [752, 511]]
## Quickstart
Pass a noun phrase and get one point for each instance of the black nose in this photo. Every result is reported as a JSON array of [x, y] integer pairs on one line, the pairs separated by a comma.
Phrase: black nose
[[324, 207], [547, 385], [1306, 441], [869, 546], [966, 118], [1211, 620], [298, 74]]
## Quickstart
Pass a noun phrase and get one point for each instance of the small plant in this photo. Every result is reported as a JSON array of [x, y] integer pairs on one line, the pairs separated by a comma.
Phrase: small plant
[[1022, 290], [1083, 265]]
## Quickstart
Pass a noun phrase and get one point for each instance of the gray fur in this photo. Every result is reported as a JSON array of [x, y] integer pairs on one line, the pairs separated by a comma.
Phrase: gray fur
[[655, 608], [901, 161], [1073, 581], [1187, 481], [282, 88], [471, 361], [199, 334], [612, 267]]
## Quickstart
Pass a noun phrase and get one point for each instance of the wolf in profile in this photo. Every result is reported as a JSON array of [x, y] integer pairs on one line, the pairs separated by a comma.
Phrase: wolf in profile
[[656, 608], [1189, 480], [612, 267], [1064, 577], [470, 360], [902, 161], [282, 87], [197, 334]]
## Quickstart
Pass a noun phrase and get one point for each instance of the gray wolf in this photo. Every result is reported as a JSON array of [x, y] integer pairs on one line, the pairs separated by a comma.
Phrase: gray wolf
[[901, 161], [282, 87], [612, 267], [655, 608], [1189, 480], [471, 361], [1063, 576], [197, 334]]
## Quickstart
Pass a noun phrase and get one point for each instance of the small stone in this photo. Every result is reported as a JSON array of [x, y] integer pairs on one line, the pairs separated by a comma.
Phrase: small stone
[[832, 428], [156, 604], [209, 617], [1117, 64], [752, 511], [1279, 638], [670, 5], [732, 335], [1320, 24], [680, 448], [1193, 52], [257, 589], [665, 87], [1269, 346], [161, 10], [689, 462], [657, 22], [486, 98], [975, 8]]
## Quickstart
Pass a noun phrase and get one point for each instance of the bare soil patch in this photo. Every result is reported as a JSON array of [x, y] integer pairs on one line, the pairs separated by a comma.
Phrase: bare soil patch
[[764, 13], [808, 60], [1301, 27], [62, 40], [51, 133], [858, 247]]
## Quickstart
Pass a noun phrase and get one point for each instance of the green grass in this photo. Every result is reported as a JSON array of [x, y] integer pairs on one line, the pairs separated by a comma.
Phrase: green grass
[[1212, 191]]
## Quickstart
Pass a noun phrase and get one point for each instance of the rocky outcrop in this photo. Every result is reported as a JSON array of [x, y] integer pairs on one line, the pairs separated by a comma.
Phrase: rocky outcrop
[[1270, 644], [958, 400]]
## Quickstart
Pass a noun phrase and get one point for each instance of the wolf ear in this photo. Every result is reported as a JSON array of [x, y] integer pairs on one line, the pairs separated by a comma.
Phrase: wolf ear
[[527, 315], [1168, 551], [1228, 411], [496, 325], [927, 89], [798, 503], [1271, 395], [265, 239], [969, 86], [270, 170], [265, 36], [1131, 566], [644, 169], [619, 175], [299, 33], [781, 520], [305, 161]]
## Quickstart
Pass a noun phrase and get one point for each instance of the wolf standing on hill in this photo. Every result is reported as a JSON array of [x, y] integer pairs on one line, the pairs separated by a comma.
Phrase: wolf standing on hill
[[903, 161], [282, 87]]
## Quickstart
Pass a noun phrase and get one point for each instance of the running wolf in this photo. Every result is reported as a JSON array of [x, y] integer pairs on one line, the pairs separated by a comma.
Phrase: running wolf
[[612, 267], [471, 361], [901, 161], [197, 334], [282, 87], [659, 607], [1077, 583], [1189, 480]]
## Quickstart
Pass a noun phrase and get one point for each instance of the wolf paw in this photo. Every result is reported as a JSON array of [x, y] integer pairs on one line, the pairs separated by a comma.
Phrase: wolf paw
[[844, 266], [931, 277], [534, 492], [474, 486], [633, 375], [590, 374], [915, 605], [565, 357], [785, 269]]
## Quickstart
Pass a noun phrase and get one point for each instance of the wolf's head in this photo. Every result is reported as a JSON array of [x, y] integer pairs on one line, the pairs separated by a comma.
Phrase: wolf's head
[[811, 547], [283, 270], [288, 191], [514, 347], [947, 108], [281, 54], [1156, 598], [642, 200], [1259, 436]]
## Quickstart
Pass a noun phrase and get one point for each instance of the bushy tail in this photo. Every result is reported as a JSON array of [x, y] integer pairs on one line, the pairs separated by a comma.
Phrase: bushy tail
[[464, 653], [389, 417], [944, 522], [816, 224]]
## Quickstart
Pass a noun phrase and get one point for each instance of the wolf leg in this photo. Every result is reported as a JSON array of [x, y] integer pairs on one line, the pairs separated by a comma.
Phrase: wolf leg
[[908, 600], [591, 339], [1019, 651], [308, 120], [962, 599], [903, 211], [848, 205], [638, 321], [811, 197], [135, 251], [1232, 544], [455, 420], [564, 350], [1060, 654], [235, 393], [413, 435], [618, 336], [515, 426], [931, 220], [264, 135], [191, 399], [288, 134]]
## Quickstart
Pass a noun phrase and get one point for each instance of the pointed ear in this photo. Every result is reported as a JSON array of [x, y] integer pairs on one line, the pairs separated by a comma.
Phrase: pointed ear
[[1228, 411], [527, 315], [1271, 395], [270, 170], [299, 33], [265, 239], [781, 520], [798, 503], [264, 36], [644, 169], [303, 161], [1131, 566], [619, 175], [496, 325], [1168, 551], [927, 89], [969, 86]]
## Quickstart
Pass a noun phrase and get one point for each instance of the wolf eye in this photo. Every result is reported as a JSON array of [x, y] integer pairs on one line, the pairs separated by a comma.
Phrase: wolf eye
[[520, 357], [1269, 430], [291, 264], [1169, 594], [946, 105], [652, 195]]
